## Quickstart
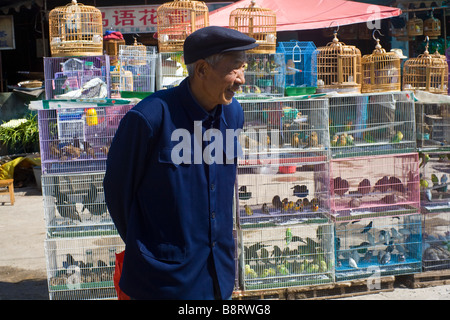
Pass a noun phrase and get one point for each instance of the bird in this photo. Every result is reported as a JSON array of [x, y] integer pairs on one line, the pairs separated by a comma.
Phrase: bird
[[341, 186], [288, 236], [276, 202], [382, 184], [386, 258], [434, 179], [70, 261], [367, 228], [54, 149], [277, 253], [368, 256], [265, 208], [396, 185], [390, 199], [371, 239], [352, 263], [104, 149], [90, 151], [71, 152], [298, 205], [424, 158], [313, 139], [90, 203], [305, 202], [264, 255], [397, 137], [66, 208], [364, 186], [444, 179], [295, 141], [248, 210]]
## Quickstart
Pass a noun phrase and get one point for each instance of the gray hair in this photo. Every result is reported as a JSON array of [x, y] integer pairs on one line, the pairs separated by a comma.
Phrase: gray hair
[[212, 60]]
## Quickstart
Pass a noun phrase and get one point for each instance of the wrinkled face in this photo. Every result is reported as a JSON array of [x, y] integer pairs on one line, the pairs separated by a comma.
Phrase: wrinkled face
[[225, 77]]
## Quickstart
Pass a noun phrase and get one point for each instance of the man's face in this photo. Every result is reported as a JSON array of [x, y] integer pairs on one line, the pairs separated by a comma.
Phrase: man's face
[[225, 77]]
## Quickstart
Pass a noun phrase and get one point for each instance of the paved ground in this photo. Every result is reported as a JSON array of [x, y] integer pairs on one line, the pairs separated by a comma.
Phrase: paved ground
[[23, 265]]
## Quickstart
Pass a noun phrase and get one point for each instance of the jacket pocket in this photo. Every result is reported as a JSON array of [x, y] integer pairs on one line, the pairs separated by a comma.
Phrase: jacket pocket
[[164, 252]]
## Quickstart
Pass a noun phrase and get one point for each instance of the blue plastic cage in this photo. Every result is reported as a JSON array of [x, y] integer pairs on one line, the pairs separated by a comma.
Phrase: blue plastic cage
[[301, 66]]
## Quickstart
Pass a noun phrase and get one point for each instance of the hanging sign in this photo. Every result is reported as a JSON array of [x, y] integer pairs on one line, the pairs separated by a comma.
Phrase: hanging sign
[[137, 19]]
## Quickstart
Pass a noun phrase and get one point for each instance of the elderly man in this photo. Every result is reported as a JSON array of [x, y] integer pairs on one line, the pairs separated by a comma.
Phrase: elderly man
[[170, 176]]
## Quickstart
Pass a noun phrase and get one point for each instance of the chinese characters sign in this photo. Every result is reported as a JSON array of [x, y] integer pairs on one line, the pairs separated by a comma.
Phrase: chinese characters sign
[[135, 19], [7, 33]]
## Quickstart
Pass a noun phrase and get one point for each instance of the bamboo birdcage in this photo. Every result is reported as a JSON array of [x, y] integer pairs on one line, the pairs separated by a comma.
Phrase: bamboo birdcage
[[414, 26], [432, 27], [338, 67], [380, 71], [178, 19], [427, 72], [75, 30], [258, 23]]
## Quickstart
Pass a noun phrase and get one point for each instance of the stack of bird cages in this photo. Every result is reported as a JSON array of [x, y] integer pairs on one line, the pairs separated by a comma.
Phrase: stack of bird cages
[[428, 72], [75, 30], [264, 76], [140, 61], [178, 19], [258, 23], [338, 68], [77, 77], [82, 268], [171, 70], [286, 256], [380, 71], [372, 248], [301, 67], [434, 191], [371, 124], [436, 241], [75, 138], [374, 186], [433, 125]]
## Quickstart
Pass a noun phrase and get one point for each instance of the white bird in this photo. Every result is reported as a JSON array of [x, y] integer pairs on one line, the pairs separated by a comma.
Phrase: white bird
[[352, 263], [371, 239], [355, 256]]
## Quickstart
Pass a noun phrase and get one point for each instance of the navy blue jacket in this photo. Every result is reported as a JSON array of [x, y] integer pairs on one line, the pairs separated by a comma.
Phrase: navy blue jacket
[[176, 218]]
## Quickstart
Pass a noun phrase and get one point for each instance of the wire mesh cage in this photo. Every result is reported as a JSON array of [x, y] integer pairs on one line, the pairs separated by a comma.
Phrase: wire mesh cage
[[434, 173], [374, 186], [286, 256], [75, 30], [258, 23], [432, 27], [301, 67], [178, 19], [427, 72], [433, 125], [371, 124], [264, 76], [436, 241], [284, 131], [76, 138], [75, 207], [380, 71], [171, 70], [372, 248], [77, 77], [82, 268], [140, 61], [338, 67]]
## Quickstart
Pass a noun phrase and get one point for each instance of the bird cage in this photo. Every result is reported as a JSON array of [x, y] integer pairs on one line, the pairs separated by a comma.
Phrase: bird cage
[[435, 241], [171, 69], [414, 26], [432, 27], [338, 68], [75, 30], [258, 23], [380, 71], [432, 124], [370, 248], [301, 67], [428, 72], [178, 19]]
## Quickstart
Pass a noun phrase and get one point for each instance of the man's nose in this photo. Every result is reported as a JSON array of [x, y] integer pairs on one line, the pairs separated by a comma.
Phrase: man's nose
[[240, 78]]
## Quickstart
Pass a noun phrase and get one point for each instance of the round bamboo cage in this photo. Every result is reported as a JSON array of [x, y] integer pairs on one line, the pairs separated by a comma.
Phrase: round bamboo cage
[[75, 30], [258, 23], [380, 71], [432, 27], [428, 72], [414, 26], [178, 19], [338, 67], [111, 48]]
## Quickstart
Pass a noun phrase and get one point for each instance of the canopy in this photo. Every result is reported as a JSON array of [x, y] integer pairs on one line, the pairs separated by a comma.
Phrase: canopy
[[307, 14]]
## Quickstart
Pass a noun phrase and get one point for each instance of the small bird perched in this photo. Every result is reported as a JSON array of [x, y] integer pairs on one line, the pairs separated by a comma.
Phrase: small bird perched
[[382, 184], [341, 186], [364, 186], [397, 137], [367, 228], [424, 158], [66, 208], [397, 185], [265, 208], [298, 205], [435, 180], [248, 210], [444, 179], [352, 263], [276, 202], [295, 141], [313, 139]]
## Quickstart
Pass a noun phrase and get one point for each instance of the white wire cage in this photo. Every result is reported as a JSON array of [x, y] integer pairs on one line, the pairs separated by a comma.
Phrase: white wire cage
[[74, 206], [433, 125], [374, 186], [171, 70], [82, 268], [76, 138], [372, 124], [436, 241], [373, 248], [286, 256], [77, 77]]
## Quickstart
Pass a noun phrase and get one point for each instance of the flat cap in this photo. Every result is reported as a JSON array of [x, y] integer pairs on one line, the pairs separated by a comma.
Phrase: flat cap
[[207, 41]]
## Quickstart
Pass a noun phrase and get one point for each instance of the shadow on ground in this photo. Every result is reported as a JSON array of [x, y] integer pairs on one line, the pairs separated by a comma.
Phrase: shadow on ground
[[19, 284]]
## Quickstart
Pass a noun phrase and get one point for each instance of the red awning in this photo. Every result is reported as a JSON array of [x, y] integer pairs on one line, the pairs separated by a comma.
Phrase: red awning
[[307, 14]]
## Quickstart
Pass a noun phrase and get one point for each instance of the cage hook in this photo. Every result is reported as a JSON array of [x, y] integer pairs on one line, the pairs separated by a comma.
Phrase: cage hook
[[373, 34], [336, 31]]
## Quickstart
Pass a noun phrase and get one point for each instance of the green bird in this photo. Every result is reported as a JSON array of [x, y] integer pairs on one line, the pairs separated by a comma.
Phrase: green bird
[[288, 236], [425, 157], [434, 179]]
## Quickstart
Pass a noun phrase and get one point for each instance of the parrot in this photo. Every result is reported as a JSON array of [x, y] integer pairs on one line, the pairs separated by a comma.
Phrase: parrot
[[444, 179], [288, 236], [397, 137], [276, 202], [282, 270], [250, 272], [295, 140], [352, 263], [435, 180], [425, 157], [248, 210]]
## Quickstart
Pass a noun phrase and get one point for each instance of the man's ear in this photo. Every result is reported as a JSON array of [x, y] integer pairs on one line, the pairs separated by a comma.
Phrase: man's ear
[[201, 68]]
